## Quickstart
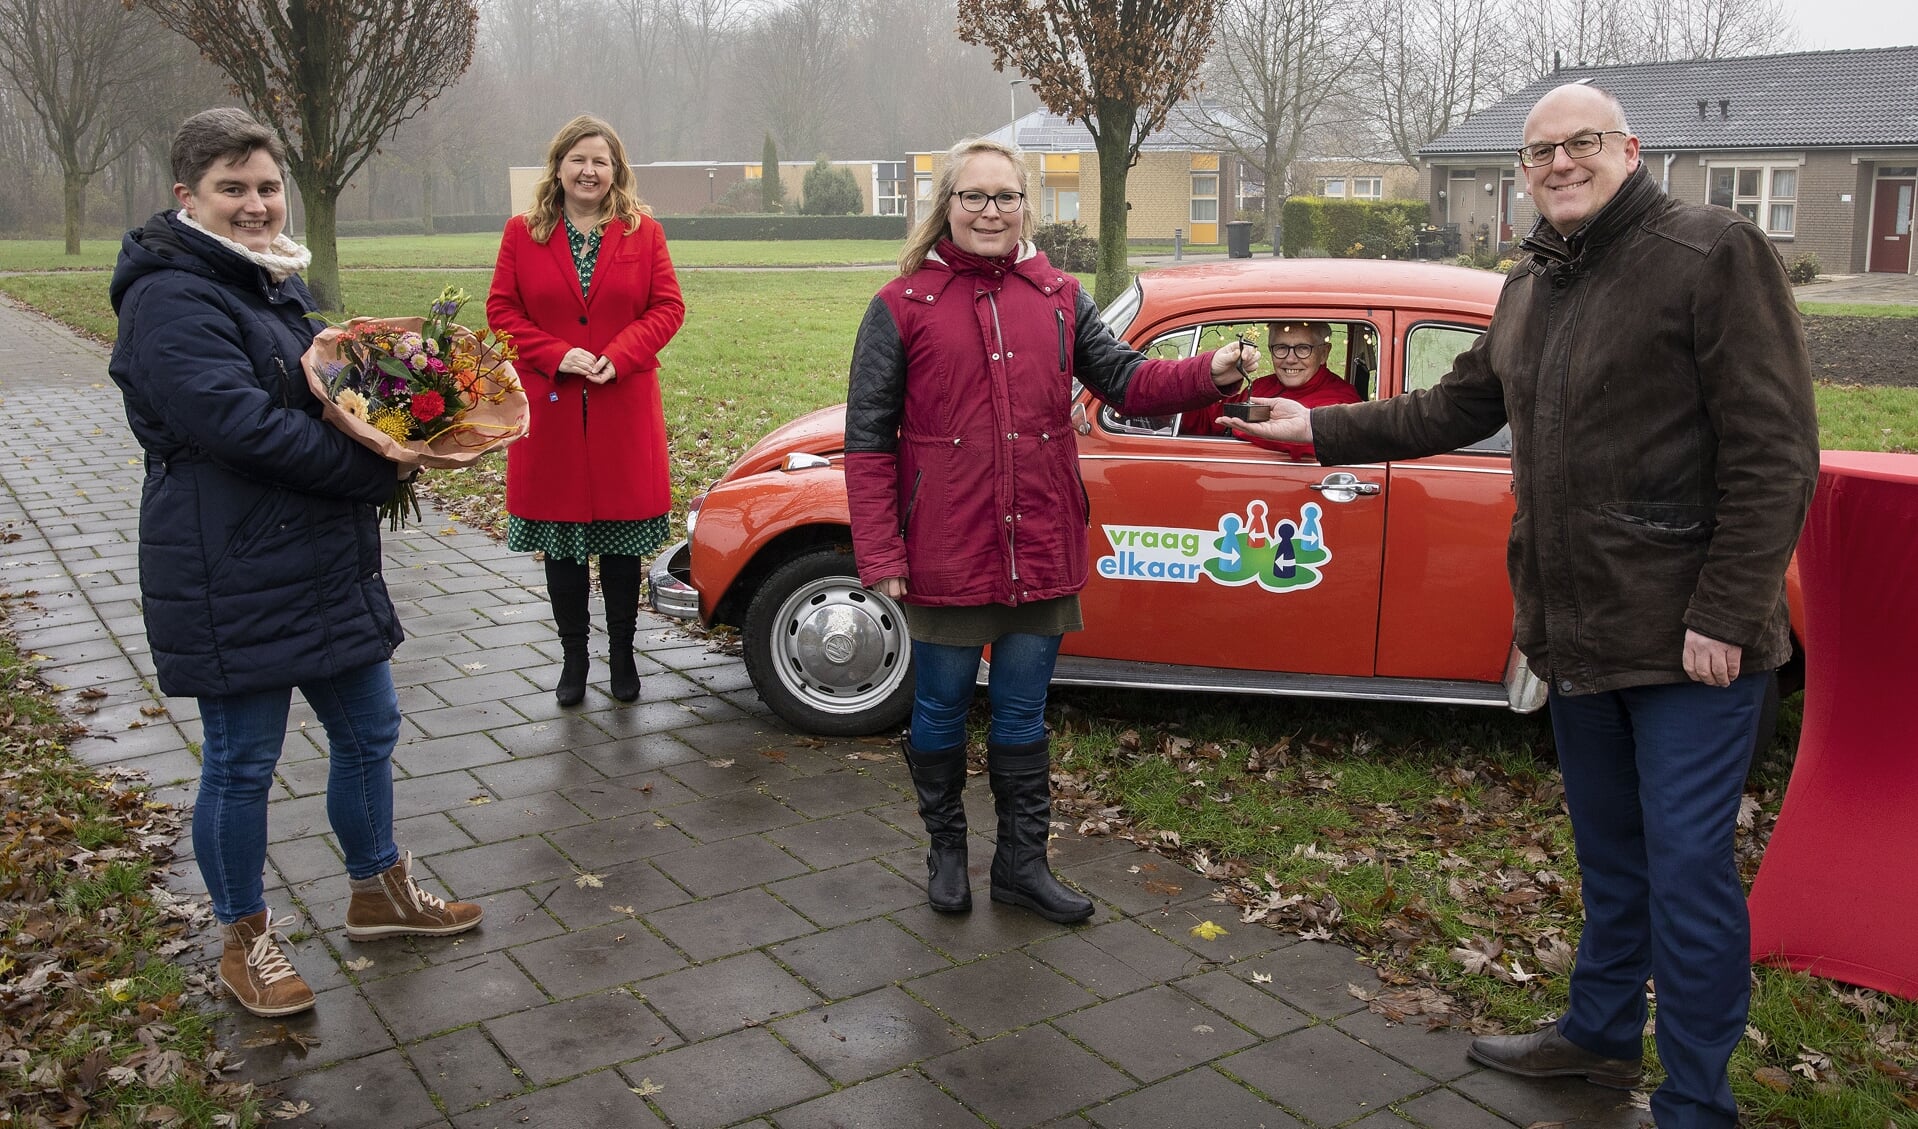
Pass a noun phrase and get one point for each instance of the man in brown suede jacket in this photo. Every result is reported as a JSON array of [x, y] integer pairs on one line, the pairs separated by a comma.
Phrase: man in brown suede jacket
[[1649, 359]]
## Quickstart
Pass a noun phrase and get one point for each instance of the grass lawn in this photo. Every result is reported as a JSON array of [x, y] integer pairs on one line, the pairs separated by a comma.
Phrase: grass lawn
[[93, 1018], [1432, 838], [1856, 310], [478, 250]]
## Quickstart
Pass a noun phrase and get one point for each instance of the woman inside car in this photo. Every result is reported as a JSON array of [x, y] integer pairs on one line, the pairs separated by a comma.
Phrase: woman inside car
[[963, 482]]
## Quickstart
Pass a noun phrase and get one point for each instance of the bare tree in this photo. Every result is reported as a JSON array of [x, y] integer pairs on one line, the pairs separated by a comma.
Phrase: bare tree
[[700, 31], [1718, 29], [1116, 67], [1279, 64], [1428, 64], [82, 68], [332, 77], [794, 62]]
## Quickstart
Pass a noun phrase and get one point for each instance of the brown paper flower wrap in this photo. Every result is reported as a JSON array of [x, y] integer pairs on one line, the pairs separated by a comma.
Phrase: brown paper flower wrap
[[422, 392]]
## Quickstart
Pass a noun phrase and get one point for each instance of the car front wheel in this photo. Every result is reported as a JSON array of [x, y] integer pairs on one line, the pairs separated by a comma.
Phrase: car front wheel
[[827, 654]]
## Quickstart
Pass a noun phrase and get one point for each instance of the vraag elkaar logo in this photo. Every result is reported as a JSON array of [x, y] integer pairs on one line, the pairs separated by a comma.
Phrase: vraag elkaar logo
[[1285, 555]]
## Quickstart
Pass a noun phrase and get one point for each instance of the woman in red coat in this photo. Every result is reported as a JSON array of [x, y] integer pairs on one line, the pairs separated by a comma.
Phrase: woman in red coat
[[584, 286]]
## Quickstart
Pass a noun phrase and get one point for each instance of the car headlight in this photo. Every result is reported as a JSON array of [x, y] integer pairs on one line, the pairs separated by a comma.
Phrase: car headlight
[[692, 513]]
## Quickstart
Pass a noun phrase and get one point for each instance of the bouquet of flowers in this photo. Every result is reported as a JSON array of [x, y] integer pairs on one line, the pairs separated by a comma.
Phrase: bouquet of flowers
[[423, 392]]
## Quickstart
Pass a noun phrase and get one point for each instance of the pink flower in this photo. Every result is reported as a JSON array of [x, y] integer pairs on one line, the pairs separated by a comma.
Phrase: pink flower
[[428, 406]]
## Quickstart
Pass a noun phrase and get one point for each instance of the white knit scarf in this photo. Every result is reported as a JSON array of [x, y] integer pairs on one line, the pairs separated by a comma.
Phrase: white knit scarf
[[285, 258]]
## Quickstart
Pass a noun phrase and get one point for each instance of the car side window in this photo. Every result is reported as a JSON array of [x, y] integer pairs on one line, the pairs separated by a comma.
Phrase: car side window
[[1353, 357], [1429, 353]]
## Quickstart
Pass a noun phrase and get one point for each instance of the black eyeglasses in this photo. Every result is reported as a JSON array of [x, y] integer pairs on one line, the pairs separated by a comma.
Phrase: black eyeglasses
[[976, 201], [1541, 153], [1279, 349]]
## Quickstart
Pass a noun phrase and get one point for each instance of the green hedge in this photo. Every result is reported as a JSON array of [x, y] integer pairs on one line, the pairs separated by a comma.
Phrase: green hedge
[[762, 227], [1352, 229]]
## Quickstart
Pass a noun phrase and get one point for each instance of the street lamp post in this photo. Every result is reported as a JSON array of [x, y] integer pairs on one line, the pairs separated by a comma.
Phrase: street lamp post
[[1012, 105], [710, 174]]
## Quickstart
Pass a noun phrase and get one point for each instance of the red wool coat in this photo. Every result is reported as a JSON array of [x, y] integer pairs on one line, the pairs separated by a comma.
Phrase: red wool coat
[[609, 463]]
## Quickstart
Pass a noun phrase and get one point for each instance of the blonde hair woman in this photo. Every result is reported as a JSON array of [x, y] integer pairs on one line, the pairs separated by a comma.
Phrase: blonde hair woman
[[586, 289], [979, 529]]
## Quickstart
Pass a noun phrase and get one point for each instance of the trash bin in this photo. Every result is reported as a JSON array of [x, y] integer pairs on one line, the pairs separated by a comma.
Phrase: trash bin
[[1238, 239]]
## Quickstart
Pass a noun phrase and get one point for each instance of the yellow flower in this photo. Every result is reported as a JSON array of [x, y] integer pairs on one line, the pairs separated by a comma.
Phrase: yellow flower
[[394, 422], [352, 403]]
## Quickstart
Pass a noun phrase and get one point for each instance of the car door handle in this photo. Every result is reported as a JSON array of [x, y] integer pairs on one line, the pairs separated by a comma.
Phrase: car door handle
[[1343, 486]]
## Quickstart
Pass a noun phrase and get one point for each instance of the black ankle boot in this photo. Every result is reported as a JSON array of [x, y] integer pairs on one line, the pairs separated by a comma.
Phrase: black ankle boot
[[1022, 795], [619, 583], [566, 583], [939, 778]]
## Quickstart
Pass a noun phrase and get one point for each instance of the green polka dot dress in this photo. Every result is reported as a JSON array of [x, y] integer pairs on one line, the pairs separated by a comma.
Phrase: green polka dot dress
[[576, 540]]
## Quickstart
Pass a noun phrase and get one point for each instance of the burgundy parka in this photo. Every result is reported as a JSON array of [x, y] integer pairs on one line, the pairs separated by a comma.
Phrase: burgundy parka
[[962, 469]]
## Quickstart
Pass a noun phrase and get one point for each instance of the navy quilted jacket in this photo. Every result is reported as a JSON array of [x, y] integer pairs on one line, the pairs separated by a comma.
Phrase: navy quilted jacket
[[259, 543]]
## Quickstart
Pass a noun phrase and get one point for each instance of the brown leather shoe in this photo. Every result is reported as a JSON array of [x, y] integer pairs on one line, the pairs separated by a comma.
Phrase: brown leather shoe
[[390, 904], [1547, 1054], [255, 969]]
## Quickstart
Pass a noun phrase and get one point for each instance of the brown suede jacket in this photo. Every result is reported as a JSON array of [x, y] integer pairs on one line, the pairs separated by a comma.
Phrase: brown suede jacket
[[1664, 440]]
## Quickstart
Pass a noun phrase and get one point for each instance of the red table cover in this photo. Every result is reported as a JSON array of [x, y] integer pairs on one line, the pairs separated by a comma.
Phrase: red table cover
[[1837, 892]]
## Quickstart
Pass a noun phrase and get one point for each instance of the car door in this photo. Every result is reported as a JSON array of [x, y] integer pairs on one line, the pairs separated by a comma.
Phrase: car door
[[1208, 551], [1445, 605]]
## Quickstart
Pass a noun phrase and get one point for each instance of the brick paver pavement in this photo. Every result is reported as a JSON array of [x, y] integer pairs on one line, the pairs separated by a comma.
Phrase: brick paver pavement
[[752, 947]]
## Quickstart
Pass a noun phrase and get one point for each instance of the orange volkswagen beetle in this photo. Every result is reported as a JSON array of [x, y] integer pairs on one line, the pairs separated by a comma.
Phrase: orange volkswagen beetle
[[1216, 565]]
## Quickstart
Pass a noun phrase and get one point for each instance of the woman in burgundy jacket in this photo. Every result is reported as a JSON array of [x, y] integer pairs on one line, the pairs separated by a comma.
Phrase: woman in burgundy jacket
[[584, 286], [962, 476]]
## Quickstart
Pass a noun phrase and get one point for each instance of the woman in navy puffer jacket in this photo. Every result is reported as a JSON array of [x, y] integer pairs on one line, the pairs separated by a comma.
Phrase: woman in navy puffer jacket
[[259, 546]]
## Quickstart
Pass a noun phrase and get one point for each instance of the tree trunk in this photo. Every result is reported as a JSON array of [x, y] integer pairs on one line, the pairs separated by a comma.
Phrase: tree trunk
[[1113, 139], [73, 200], [322, 226]]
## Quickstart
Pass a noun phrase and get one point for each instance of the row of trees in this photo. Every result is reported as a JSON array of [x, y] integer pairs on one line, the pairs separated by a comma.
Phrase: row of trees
[[408, 106]]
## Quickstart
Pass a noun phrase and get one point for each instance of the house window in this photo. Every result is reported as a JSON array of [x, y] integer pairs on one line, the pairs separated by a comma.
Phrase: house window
[[1332, 186], [1368, 187], [889, 188], [922, 188], [1767, 195], [1205, 199]]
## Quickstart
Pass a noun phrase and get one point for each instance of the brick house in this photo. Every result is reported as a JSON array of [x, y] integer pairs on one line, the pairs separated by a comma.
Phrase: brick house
[[1184, 179], [1819, 148]]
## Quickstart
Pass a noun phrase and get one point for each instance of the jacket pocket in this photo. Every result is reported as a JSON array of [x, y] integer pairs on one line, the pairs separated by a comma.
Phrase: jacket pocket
[[1634, 570]]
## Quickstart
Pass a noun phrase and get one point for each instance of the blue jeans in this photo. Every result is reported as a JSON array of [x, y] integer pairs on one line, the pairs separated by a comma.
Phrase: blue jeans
[[243, 736], [944, 679], [1653, 777]]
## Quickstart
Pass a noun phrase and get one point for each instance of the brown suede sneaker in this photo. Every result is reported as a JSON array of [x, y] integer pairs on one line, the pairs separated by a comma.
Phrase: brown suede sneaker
[[389, 905], [256, 971], [1547, 1054]]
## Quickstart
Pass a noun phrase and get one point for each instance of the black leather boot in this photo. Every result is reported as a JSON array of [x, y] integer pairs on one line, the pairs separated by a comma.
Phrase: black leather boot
[[619, 583], [939, 778], [566, 583], [1022, 795]]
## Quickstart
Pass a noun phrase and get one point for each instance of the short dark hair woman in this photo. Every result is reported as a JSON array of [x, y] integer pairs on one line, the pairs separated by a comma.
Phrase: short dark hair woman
[[259, 546], [586, 289], [962, 473]]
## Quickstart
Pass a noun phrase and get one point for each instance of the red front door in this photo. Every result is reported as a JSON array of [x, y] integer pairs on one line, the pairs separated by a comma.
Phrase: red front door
[[1891, 226]]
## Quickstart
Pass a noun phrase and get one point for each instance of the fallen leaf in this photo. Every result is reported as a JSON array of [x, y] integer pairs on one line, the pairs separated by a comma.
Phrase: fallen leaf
[[478, 800], [473, 666], [1772, 1078], [647, 1088], [1164, 889], [1208, 931], [594, 880], [1262, 978], [360, 964]]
